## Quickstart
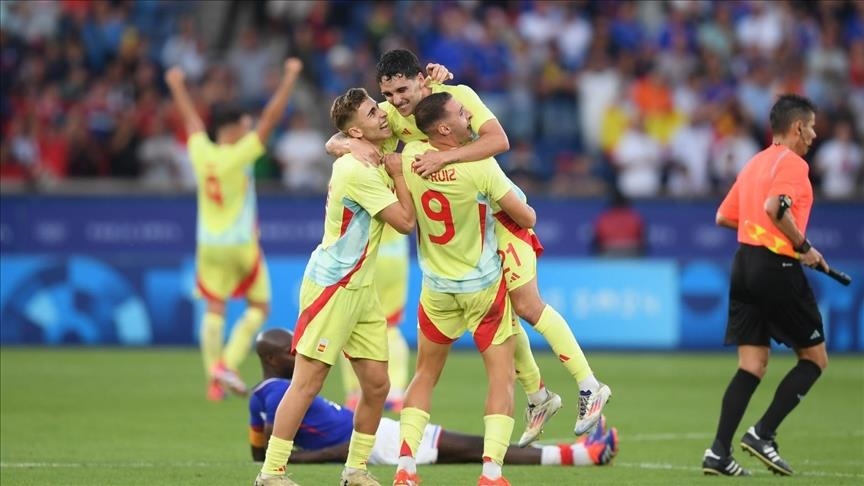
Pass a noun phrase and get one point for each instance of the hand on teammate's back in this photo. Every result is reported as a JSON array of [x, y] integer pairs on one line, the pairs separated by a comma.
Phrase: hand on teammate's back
[[430, 162]]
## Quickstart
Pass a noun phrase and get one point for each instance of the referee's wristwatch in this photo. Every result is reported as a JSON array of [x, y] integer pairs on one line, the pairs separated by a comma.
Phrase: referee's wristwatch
[[804, 247]]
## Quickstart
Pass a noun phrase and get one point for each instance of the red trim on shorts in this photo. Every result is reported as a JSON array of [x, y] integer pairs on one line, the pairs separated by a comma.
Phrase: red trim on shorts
[[244, 285], [427, 327], [485, 332], [482, 208], [395, 318], [346, 220], [566, 454], [519, 232], [242, 288], [315, 307]]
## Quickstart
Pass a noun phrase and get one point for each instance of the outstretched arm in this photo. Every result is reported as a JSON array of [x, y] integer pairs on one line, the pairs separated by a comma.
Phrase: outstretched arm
[[176, 80], [520, 212], [276, 106]]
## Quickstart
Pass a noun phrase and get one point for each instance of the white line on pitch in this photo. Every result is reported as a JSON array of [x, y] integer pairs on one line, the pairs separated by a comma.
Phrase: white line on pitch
[[672, 467]]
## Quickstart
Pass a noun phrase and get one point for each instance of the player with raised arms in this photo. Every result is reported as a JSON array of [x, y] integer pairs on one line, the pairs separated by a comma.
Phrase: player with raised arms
[[229, 261]]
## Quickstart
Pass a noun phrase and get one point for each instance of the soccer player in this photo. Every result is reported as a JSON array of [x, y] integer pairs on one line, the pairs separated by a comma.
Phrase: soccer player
[[391, 283], [229, 260], [769, 296], [340, 308], [463, 285], [403, 85], [326, 428]]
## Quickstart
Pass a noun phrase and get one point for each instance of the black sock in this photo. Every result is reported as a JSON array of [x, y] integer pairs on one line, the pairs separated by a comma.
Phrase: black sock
[[789, 393], [735, 402]]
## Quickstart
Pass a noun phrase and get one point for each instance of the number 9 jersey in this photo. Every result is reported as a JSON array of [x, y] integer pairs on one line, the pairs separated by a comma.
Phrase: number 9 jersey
[[455, 224]]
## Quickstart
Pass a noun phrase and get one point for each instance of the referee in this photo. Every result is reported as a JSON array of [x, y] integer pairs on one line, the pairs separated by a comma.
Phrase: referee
[[769, 296]]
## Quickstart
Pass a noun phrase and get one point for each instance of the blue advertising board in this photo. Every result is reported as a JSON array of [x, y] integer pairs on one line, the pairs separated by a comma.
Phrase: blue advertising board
[[107, 270]]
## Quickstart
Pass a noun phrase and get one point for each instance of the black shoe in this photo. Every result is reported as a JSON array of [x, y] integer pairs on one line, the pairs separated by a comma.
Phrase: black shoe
[[766, 451], [714, 465]]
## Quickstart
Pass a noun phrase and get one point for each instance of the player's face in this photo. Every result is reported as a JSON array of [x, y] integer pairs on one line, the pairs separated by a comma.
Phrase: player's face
[[403, 93], [371, 122], [459, 121], [807, 135]]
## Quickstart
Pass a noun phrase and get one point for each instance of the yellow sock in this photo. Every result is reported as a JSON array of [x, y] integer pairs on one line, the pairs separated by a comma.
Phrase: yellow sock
[[240, 342], [278, 452], [527, 371], [554, 328], [212, 328], [397, 367], [496, 437], [412, 423], [359, 449], [349, 380]]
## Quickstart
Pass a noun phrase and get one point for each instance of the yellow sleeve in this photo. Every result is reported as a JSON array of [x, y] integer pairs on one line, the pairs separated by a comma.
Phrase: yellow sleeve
[[198, 146], [366, 186], [496, 185], [480, 113], [245, 152]]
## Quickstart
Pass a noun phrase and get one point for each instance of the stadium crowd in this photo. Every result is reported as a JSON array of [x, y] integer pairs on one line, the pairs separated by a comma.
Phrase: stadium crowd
[[666, 98]]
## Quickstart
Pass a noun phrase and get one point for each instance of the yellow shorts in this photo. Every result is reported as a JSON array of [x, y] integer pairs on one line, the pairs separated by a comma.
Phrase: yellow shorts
[[232, 271], [391, 283], [335, 319], [444, 317], [519, 249]]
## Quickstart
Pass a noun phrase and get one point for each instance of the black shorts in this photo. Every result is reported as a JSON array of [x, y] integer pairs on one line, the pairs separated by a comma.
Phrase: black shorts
[[770, 297]]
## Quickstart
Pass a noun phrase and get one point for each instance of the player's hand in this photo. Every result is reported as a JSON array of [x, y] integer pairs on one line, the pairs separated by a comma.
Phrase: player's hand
[[393, 164], [437, 73], [365, 152], [430, 162], [293, 66], [814, 259], [175, 77]]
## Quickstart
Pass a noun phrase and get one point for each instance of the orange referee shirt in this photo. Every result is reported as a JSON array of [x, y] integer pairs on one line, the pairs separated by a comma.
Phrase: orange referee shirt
[[774, 171]]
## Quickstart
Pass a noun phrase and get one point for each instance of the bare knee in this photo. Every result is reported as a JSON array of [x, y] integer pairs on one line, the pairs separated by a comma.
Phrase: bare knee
[[755, 365], [308, 389], [816, 354], [528, 307], [376, 388]]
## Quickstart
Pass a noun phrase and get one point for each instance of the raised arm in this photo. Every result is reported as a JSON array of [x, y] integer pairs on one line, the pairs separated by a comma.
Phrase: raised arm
[[176, 80], [272, 113], [520, 212]]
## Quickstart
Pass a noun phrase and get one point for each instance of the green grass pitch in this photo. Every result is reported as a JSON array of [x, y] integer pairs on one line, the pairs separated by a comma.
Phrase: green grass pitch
[[139, 417]]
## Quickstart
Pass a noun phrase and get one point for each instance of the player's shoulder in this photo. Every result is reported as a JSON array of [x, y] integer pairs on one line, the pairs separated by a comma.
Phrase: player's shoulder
[[454, 89], [417, 146]]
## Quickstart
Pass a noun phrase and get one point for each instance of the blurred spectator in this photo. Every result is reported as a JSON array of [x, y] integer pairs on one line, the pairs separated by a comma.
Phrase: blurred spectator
[[160, 155], [523, 167], [575, 176], [301, 155], [731, 151], [839, 162], [637, 158], [688, 153], [186, 49], [619, 230]]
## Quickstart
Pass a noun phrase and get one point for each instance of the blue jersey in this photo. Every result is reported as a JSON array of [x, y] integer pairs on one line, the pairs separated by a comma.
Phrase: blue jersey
[[325, 423]]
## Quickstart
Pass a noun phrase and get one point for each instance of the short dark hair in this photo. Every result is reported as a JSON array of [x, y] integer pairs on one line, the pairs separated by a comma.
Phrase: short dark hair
[[430, 111], [397, 62], [223, 114], [789, 108], [345, 106]]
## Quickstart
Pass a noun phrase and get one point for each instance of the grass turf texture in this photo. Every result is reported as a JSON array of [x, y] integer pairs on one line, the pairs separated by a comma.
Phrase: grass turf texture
[[114, 416]]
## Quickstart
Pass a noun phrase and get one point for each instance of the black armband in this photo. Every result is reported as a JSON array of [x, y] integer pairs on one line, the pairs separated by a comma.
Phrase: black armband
[[803, 247], [785, 203]]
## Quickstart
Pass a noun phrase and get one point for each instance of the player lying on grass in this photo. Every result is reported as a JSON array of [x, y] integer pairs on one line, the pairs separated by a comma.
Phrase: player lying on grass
[[326, 428]]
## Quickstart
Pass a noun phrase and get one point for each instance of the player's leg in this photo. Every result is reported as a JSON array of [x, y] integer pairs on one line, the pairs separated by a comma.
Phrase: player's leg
[[322, 330], [796, 322], [548, 322], [211, 278], [391, 283], [440, 323], [367, 349], [400, 356], [350, 384], [498, 418]]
